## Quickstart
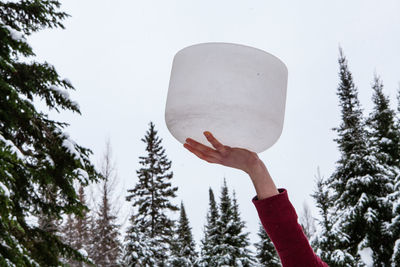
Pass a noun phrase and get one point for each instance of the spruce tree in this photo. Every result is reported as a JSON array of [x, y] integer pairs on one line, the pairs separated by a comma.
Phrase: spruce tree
[[36, 154], [394, 226], [183, 249], [232, 249], [137, 250], [384, 137], [358, 181], [152, 197], [105, 244], [240, 239], [326, 239], [266, 252], [211, 238]]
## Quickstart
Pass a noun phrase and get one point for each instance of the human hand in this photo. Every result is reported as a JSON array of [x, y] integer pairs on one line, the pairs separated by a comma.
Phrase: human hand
[[238, 158]]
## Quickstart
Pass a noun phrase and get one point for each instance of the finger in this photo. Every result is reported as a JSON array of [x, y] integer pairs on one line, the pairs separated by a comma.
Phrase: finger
[[203, 148], [214, 142], [201, 155]]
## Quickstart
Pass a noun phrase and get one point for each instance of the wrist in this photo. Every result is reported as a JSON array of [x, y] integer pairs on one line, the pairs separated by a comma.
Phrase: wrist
[[262, 181], [253, 164]]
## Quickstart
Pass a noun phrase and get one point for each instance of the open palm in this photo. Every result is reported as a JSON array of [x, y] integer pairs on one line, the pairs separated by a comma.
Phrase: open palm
[[238, 158]]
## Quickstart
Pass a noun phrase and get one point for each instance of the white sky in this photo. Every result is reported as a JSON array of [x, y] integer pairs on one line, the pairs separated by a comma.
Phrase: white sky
[[118, 55]]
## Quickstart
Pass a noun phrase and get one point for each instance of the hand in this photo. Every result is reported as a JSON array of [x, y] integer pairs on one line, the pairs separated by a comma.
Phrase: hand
[[238, 158]]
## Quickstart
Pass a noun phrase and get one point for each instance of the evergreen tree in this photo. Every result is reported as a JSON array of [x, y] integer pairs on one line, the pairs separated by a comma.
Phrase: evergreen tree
[[211, 234], [35, 153], [183, 249], [325, 241], [240, 239], [105, 244], [151, 197], [266, 252], [384, 137], [232, 249], [358, 181], [394, 226], [137, 251]]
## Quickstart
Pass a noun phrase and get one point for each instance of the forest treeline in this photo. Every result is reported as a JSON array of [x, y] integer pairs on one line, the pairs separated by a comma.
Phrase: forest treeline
[[46, 219]]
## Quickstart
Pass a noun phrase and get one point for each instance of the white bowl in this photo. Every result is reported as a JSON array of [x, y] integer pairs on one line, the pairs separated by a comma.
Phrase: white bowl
[[236, 92]]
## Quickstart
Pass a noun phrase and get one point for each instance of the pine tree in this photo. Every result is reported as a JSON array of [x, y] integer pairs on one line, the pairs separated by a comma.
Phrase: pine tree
[[384, 137], [240, 239], [151, 197], [266, 252], [326, 239], [36, 153], [358, 181], [232, 249], [211, 234], [394, 226], [105, 244], [183, 249], [137, 251]]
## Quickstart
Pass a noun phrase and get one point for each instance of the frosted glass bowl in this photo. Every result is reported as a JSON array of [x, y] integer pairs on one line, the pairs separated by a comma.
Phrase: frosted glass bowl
[[236, 92]]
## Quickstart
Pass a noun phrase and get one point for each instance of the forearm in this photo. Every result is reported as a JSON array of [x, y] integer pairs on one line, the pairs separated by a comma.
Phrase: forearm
[[279, 219], [262, 180]]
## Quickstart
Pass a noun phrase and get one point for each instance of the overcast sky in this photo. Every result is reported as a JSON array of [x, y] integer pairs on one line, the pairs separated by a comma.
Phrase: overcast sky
[[118, 55]]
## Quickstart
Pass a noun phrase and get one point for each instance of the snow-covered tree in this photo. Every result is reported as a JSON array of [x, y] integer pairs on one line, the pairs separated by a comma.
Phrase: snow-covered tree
[[138, 250], [35, 151], [394, 226], [325, 240], [266, 252], [225, 242], [211, 237], [105, 247], [240, 239], [152, 197], [359, 181], [183, 247], [232, 248], [383, 137]]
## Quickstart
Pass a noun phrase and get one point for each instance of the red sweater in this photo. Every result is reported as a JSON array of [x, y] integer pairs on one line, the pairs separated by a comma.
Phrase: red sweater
[[279, 219]]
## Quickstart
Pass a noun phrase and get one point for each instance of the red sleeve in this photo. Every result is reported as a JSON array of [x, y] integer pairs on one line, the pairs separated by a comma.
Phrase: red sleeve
[[279, 219]]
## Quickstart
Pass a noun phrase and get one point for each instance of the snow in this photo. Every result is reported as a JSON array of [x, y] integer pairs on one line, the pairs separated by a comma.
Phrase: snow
[[15, 35], [82, 173], [366, 256], [386, 141], [70, 146], [83, 252], [76, 104], [32, 221], [68, 81], [6, 192], [49, 160], [62, 92], [396, 250], [370, 215], [13, 147]]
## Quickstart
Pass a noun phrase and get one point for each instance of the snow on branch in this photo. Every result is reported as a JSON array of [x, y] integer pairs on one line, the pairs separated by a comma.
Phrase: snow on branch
[[15, 35], [14, 149]]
